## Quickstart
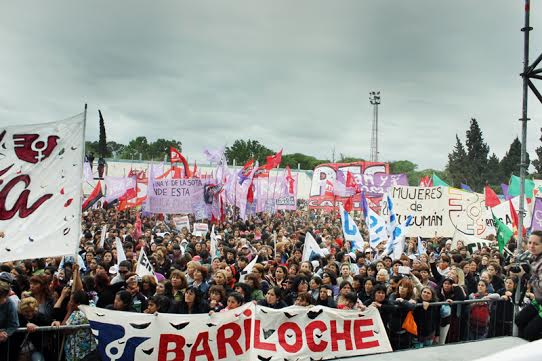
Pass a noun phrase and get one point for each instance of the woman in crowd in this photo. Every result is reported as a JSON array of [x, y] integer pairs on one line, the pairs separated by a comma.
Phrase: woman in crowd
[[427, 318], [299, 285], [192, 303], [9, 321], [329, 279], [480, 312], [403, 303], [273, 298], [528, 320], [450, 321], [80, 343], [148, 286], [280, 276], [158, 303], [178, 284]]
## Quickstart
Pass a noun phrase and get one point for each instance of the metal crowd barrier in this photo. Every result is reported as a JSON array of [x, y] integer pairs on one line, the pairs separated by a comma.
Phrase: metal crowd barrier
[[53, 341]]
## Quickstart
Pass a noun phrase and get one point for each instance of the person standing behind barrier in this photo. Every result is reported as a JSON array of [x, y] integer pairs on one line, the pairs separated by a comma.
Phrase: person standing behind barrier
[[479, 312], [403, 302], [529, 320], [427, 318], [9, 321]]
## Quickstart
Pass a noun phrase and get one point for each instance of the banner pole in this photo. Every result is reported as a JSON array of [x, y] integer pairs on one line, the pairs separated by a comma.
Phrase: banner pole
[[82, 174]]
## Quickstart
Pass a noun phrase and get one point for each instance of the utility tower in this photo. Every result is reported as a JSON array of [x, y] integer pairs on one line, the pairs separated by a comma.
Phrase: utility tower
[[374, 99]]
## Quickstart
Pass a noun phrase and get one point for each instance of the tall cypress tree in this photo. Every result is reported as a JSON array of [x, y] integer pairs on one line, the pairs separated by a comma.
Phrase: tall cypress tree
[[457, 163], [537, 163], [477, 152], [102, 142], [510, 162]]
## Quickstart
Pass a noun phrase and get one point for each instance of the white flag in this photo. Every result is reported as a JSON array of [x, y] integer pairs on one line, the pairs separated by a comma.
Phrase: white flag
[[121, 256], [350, 230], [102, 236], [214, 242], [310, 247], [41, 170], [87, 170], [144, 266], [247, 269]]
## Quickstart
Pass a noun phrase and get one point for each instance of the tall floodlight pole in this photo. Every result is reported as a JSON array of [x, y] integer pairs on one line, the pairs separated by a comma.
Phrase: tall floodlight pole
[[374, 99]]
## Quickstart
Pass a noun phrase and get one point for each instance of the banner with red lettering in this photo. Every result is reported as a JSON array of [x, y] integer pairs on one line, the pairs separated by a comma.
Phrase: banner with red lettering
[[369, 175], [249, 332], [41, 171]]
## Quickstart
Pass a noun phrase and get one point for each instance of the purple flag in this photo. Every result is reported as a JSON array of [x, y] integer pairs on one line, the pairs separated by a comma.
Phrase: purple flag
[[536, 222], [465, 187], [505, 191]]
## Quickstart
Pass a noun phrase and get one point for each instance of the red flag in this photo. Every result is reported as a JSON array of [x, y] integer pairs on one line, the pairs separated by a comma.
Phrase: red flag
[[273, 161], [351, 182], [94, 196], [250, 193], [328, 190], [176, 157], [349, 204], [426, 181], [290, 180], [491, 197], [195, 171], [515, 220]]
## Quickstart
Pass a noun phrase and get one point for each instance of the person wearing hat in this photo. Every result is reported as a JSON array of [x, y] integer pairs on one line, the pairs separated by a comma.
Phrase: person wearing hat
[[9, 319]]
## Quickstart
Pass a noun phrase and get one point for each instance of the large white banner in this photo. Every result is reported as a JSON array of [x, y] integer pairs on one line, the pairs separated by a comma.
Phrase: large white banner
[[440, 211], [249, 332], [41, 172]]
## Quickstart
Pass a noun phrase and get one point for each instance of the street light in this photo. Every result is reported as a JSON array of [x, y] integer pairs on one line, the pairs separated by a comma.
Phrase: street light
[[374, 99]]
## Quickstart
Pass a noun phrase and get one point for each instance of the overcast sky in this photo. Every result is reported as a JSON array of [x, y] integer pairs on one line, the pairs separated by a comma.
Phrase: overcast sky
[[291, 74]]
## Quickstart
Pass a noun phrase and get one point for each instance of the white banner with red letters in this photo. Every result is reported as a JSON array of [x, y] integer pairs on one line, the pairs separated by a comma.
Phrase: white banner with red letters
[[249, 332], [41, 171]]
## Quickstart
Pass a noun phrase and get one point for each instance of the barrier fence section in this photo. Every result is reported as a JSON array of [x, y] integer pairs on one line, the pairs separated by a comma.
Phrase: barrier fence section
[[444, 323]]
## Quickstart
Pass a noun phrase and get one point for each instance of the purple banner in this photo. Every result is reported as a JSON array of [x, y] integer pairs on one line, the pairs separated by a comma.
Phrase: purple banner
[[380, 183], [536, 223]]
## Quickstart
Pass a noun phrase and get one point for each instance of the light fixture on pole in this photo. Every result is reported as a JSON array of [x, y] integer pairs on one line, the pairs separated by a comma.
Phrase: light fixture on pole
[[374, 99]]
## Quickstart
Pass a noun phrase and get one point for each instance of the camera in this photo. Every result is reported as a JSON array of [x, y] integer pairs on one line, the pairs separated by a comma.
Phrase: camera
[[517, 267]]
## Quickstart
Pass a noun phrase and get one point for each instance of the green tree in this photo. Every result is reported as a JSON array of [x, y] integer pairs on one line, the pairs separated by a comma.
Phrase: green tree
[[307, 162], [494, 173], [457, 164], [477, 153], [241, 151], [115, 148], [102, 142], [136, 147], [160, 148], [510, 162], [91, 147], [537, 163]]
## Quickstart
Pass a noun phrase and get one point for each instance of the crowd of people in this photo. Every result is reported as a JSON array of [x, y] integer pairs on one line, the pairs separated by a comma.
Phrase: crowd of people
[[189, 279]]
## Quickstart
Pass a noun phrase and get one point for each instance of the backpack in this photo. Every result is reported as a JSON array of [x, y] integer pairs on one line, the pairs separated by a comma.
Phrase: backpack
[[479, 315]]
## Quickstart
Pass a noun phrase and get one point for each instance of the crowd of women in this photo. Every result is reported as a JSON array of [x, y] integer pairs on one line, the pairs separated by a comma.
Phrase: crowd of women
[[189, 280]]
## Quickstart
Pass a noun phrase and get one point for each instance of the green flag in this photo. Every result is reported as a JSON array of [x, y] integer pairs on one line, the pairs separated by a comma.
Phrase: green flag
[[438, 182], [513, 187], [503, 233]]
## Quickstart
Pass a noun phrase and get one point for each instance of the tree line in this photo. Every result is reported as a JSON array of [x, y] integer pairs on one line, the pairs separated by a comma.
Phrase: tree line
[[469, 162]]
